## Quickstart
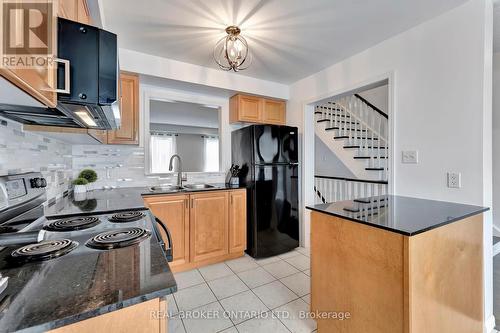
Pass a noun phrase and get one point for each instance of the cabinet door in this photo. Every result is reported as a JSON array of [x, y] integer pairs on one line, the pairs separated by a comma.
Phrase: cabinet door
[[173, 211], [128, 133], [274, 112], [237, 221], [245, 109], [68, 9], [208, 225], [83, 12], [39, 80]]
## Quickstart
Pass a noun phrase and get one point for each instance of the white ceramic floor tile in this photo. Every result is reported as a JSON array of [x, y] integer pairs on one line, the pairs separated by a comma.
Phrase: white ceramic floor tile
[[300, 262], [280, 269], [214, 320], [215, 271], [266, 261], [194, 297], [227, 286], [274, 294], [171, 305], [243, 306], [293, 320], [229, 330], [175, 325], [188, 279], [262, 325], [299, 283], [290, 254], [307, 298], [242, 264], [304, 251], [256, 277], [307, 272]]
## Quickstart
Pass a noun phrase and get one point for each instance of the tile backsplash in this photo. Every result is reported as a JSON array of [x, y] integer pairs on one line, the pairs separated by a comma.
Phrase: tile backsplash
[[59, 162], [123, 166], [22, 151]]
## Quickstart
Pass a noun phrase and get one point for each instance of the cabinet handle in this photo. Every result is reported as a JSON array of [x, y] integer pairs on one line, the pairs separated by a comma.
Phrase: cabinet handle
[[231, 199], [66, 89], [186, 202], [192, 203]]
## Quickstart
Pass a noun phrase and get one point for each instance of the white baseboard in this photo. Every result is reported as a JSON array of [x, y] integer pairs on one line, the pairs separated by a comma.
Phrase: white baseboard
[[489, 325]]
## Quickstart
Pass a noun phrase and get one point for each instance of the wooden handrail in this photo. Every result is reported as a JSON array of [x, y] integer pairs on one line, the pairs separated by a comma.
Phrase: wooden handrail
[[382, 113]]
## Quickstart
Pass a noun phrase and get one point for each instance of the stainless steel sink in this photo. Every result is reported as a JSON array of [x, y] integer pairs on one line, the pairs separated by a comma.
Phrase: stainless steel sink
[[166, 188], [198, 186]]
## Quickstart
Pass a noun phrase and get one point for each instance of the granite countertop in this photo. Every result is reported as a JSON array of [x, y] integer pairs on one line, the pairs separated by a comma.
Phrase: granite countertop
[[83, 283], [118, 199], [404, 215]]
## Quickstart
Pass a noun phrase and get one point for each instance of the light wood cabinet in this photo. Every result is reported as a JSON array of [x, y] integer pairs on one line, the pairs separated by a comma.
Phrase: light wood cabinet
[[41, 81], [38, 81], [128, 133], [74, 10], [259, 110], [237, 221], [274, 112], [148, 316], [208, 225], [173, 211]]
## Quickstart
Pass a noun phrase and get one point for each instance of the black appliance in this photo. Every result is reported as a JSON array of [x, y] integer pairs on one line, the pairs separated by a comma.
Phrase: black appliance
[[268, 158], [87, 79], [27, 236]]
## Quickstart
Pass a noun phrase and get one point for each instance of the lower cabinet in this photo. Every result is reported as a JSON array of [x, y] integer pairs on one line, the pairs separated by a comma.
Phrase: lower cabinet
[[148, 316], [206, 227], [209, 225], [237, 221], [173, 210]]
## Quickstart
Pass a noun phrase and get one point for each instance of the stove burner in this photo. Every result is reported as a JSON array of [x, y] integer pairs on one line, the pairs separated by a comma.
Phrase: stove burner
[[127, 216], [76, 223], [118, 238], [44, 250]]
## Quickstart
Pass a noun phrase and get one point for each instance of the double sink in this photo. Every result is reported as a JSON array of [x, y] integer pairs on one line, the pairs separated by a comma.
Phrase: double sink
[[176, 188]]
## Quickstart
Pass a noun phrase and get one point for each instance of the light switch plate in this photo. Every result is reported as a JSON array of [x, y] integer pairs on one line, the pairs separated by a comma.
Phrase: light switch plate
[[454, 180], [410, 156]]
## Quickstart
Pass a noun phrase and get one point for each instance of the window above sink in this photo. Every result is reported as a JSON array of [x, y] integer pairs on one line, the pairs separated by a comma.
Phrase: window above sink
[[189, 130]]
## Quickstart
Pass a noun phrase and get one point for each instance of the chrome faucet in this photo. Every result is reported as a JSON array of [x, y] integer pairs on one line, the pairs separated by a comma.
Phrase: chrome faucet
[[179, 171]]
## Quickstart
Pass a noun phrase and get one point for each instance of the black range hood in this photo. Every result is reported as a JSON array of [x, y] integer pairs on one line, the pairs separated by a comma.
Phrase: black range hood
[[87, 82]]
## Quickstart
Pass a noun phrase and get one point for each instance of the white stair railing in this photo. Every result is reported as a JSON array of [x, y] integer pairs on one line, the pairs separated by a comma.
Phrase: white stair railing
[[331, 189], [362, 127]]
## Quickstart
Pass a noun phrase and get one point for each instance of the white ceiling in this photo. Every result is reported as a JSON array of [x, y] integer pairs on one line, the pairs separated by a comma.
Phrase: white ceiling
[[289, 39]]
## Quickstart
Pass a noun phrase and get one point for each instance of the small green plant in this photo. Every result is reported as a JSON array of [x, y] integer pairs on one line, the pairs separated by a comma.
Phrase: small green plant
[[80, 181], [89, 174]]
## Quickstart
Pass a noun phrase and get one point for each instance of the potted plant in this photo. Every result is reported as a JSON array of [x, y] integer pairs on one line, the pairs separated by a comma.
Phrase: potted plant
[[80, 185], [89, 175]]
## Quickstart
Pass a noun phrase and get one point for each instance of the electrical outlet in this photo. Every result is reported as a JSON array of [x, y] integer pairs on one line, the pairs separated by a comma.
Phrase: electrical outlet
[[454, 180], [409, 156]]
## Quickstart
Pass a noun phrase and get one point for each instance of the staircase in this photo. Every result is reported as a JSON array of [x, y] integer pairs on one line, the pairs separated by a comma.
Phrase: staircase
[[357, 133]]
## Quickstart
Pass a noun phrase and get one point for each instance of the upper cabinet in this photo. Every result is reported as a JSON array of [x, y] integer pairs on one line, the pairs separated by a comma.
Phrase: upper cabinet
[[259, 110], [40, 81], [128, 133], [74, 10]]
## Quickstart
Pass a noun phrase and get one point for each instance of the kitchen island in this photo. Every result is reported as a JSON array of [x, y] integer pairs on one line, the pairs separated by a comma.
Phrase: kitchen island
[[397, 264]]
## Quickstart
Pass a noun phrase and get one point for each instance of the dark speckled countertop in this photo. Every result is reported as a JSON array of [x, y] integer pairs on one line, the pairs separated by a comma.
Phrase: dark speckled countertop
[[404, 215], [85, 282], [125, 198]]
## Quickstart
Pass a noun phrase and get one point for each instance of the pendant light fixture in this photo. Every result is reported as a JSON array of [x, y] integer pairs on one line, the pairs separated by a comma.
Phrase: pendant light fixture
[[231, 52]]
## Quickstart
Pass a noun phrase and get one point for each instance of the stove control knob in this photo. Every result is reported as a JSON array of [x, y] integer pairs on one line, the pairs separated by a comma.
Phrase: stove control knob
[[44, 182], [35, 182]]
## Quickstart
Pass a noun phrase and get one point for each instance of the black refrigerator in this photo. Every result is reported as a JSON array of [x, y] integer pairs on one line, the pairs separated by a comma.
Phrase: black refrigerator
[[268, 157]]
